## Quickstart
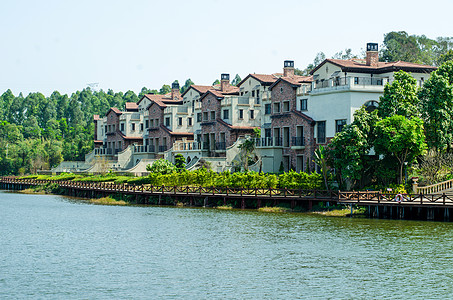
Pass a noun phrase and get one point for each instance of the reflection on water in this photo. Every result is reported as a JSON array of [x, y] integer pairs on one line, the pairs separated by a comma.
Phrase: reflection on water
[[58, 247]]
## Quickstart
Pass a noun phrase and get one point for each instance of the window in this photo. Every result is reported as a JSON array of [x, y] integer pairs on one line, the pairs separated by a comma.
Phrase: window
[[253, 93], [257, 97], [241, 114], [106, 129], [157, 122], [113, 127], [339, 124], [146, 123], [122, 127], [303, 104], [226, 114], [141, 126], [167, 121], [267, 109], [205, 116], [152, 123], [133, 126], [189, 121], [212, 115], [356, 80], [252, 114], [180, 121], [198, 117], [277, 108], [286, 106], [321, 139], [281, 90]]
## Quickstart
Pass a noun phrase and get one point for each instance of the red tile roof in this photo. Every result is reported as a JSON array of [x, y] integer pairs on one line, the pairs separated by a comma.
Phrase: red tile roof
[[162, 100], [295, 80], [359, 65], [95, 117], [264, 79], [131, 106], [115, 110]]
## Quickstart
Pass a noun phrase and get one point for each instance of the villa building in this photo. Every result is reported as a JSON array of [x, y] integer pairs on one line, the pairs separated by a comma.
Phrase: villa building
[[295, 114]]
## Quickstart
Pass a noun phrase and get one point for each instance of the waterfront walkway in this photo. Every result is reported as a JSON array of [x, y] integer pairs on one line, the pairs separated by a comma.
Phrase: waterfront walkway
[[293, 196]]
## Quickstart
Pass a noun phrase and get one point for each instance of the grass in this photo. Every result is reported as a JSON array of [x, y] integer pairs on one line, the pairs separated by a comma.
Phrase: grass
[[224, 207], [345, 212], [276, 209], [107, 201], [33, 191]]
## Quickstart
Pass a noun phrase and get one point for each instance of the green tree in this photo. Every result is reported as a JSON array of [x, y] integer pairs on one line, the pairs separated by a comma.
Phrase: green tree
[[216, 82], [180, 162], [237, 79], [348, 152], [436, 106], [320, 158], [443, 58], [165, 89], [186, 85], [400, 138], [400, 97], [161, 166], [143, 92]]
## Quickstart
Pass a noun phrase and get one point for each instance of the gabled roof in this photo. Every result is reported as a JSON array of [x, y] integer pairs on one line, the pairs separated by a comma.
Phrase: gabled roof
[[359, 66], [264, 79], [295, 81], [296, 112], [131, 106], [199, 88], [162, 100], [115, 110], [232, 90], [129, 137]]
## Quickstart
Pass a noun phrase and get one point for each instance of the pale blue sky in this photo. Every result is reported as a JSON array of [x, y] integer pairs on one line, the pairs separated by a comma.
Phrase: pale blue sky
[[125, 45]]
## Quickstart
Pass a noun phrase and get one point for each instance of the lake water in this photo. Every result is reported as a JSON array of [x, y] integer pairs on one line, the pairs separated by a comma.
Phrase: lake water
[[54, 247]]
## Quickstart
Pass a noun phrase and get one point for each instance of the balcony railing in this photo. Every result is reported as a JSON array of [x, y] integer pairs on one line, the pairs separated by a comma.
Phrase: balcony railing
[[269, 142], [297, 141], [243, 100], [350, 81], [220, 146], [145, 149], [264, 142]]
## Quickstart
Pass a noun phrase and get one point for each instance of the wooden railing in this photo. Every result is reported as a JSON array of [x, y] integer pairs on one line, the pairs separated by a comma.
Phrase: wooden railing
[[181, 190], [434, 188]]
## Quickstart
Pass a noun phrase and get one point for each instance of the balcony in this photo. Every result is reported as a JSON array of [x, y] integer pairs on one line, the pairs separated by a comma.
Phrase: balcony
[[345, 83], [220, 146], [297, 142], [163, 148], [145, 149], [269, 142], [244, 100]]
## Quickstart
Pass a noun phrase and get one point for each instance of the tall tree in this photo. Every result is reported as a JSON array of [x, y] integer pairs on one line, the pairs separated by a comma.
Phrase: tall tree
[[165, 89], [237, 79], [436, 106], [400, 97], [187, 85], [401, 138]]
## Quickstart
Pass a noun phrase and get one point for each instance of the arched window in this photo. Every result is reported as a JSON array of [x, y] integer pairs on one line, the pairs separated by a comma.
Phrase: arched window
[[371, 105]]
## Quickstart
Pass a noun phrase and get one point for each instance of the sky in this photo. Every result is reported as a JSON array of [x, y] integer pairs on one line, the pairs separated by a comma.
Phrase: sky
[[126, 45]]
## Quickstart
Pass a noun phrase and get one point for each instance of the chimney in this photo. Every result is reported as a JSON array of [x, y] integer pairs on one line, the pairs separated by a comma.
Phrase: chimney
[[372, 54], [224, 82], [175, 93], [288, 69]]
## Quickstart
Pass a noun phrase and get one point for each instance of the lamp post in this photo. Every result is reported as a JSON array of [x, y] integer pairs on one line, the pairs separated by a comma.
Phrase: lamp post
[[405, 172]]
